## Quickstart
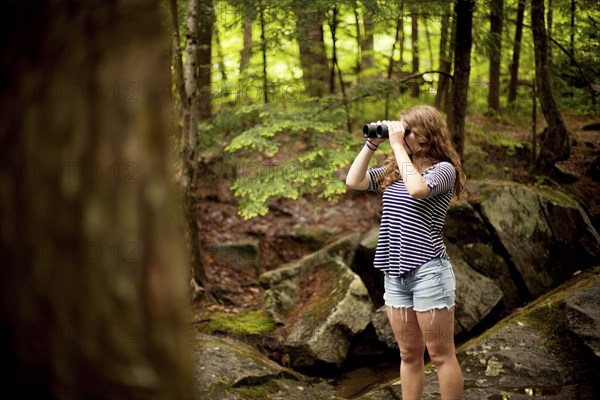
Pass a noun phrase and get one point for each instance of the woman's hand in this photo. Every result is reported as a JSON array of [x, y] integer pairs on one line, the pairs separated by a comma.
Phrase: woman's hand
[[396, 130]]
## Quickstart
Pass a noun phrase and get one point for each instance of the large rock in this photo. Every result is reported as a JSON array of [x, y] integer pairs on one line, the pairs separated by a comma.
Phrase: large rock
[[229, 369], [529, 353], [243, 256], [466, 229], [476, 294], [583, 317], [545, 233], [334, 307], [282, 284]]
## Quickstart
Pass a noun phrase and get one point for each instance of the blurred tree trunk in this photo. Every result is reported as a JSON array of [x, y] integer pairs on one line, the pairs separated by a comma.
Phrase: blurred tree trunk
[[313, 56], [445, 61], [246, 51], [496, 17], [205, 19], [415, 86], [263, 50], [93, 295], [514, 65], [555, 145], [462, 69], [368, 39]]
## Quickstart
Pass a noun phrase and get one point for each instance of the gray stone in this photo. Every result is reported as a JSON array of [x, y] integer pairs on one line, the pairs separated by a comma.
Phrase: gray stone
[[583, 317], [336, 306], [242, 256], [282, 284], [476, 294], [545, 232], [229, 369]]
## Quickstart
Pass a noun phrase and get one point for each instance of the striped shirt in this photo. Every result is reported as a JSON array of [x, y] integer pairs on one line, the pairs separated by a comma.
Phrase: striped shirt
[[410, 233]]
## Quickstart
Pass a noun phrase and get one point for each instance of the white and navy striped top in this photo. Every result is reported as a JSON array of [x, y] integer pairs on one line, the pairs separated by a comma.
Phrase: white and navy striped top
[[410, 233]]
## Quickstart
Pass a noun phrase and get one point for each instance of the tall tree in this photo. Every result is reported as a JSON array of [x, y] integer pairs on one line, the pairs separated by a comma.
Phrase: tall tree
[[514, 65], [92, 288], [462, 70], [246, 51], [445, 59], [186, 77], [205, 20], [555, 145], [313, 55], [415, 86], [368, 38], [496, 17]]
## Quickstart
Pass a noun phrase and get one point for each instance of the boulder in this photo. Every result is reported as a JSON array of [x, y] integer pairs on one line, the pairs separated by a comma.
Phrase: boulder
[[229, 369], [476, 294], [243, 256], [545, 233], [465, 229], [334, 307], [281, 284], [529, 353], [583, 317]]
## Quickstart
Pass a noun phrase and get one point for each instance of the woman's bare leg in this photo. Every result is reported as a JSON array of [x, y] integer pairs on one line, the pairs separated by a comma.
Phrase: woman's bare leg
[[405, 325], [437, 328]]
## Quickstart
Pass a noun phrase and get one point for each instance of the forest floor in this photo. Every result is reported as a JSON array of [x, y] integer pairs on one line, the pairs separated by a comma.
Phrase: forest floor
[[495, 152]]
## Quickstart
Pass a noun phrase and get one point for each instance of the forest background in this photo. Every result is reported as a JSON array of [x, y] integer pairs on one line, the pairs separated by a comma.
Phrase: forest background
[[279, 92]]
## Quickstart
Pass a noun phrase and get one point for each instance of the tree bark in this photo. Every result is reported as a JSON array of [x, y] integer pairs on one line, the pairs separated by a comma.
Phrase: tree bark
[[462, 69], [263, 48], [514, 65], [205, 20], [246, 51], [313, 56], [555, 145], [415, 86], [92, 289], [496, 11], [445, 61], [189, 143], [367, 48]]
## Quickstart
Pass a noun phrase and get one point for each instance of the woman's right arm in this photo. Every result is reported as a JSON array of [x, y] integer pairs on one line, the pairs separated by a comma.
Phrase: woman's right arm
[[358, 178]]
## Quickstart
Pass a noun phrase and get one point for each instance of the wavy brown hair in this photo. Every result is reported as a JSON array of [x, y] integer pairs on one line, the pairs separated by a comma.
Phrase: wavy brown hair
[[431, 133]]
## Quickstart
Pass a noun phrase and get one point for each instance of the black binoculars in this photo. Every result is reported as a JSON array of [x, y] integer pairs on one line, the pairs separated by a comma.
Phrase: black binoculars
[[379, 131]]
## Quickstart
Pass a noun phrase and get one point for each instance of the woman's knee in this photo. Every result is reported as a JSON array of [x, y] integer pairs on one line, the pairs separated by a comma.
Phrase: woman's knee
[[412, 354]]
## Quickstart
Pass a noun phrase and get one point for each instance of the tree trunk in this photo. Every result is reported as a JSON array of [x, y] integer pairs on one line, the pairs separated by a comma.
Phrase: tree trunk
[[358, 42], [220, 57], [189, 141], [263, 48], [462, 68], [313, 56], [555, 145], [206, 21], [514, 65], [415, 86], [246, 51], [496, 11], [93, 296], [445, 61], [367, 48], [452, 46]]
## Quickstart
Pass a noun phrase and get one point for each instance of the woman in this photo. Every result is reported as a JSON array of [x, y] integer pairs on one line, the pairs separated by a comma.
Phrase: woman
[[417, 180]]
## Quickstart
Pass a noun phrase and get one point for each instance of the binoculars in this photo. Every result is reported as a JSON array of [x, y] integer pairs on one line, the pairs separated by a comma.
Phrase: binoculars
[[379, 131]]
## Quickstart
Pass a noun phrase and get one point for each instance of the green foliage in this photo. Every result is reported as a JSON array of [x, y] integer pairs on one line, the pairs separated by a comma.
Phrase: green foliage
[[287, 152]]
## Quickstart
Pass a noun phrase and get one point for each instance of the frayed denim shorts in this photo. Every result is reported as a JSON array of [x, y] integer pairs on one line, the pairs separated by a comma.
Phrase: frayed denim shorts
[[427, 287]]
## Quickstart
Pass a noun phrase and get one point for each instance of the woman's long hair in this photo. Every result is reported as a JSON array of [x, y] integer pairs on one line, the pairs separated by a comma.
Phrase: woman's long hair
[[434, 145]]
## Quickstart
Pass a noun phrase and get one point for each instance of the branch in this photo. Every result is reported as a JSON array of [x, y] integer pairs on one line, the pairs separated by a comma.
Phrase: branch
[[419, 74]]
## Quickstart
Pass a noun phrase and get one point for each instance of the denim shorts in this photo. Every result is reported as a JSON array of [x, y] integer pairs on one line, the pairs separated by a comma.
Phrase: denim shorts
[[427, 287]]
